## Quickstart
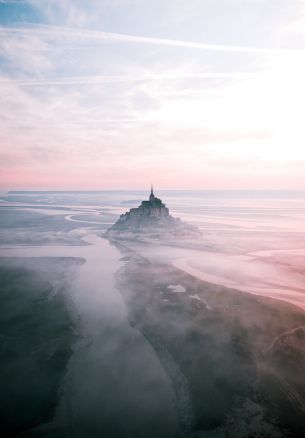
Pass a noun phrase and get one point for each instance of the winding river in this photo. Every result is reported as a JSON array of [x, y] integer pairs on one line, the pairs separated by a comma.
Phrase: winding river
[[115, 384]]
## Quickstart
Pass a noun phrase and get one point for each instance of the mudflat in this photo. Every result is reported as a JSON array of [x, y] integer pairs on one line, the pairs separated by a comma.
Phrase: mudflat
[[37, 335], [235, 360], [134, 340]]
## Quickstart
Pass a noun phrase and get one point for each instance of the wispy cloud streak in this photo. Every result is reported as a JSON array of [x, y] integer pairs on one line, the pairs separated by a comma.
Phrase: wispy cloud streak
[[67, 32], [105, 79], [152, 95]]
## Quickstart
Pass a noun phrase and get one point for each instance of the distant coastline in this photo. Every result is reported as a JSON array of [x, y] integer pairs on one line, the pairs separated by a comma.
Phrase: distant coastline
[[202, 192]]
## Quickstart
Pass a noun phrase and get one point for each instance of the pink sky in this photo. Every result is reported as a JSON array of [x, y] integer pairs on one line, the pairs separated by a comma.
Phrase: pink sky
[[95, 103]]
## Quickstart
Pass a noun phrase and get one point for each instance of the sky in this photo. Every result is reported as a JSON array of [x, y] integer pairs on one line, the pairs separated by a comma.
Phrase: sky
[[190, 94]]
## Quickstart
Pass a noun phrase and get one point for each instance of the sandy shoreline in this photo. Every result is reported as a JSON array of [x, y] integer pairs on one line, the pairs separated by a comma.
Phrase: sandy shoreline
[[174, 339], [284, 292], [277, 274]]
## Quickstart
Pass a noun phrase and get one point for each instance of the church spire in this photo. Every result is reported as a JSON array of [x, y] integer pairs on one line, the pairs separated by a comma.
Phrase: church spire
[[152, 196]]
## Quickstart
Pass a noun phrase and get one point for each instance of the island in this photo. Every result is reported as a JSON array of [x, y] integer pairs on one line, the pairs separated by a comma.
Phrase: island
[[152, 216]]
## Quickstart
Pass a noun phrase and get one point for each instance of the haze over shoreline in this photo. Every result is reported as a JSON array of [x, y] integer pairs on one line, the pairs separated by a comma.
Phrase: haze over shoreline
[[249, 238], [131, 316], [152, 218]]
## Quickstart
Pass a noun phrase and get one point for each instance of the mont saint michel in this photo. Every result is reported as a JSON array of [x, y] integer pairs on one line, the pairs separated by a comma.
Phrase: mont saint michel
[[146, 334], [151, 216]]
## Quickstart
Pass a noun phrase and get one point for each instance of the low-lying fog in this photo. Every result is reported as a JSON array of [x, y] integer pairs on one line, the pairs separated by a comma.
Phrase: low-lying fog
[[252, 241], [259, 246], [80, 308]]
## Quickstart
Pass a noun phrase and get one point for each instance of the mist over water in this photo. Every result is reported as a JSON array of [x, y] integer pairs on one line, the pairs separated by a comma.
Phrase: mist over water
[[123, 373]]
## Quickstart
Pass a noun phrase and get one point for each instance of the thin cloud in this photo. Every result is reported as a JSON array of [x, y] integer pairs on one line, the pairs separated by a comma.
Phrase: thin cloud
[[104, 79], [57, 31], [26, 52]]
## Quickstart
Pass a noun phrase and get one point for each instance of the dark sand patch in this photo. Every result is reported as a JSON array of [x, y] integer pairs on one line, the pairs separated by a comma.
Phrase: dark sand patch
[[37, 329], [235, 373]]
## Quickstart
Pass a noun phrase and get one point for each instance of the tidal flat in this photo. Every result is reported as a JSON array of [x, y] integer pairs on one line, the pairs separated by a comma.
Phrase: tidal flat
[[147, 338], [37, 336], [235, 361]]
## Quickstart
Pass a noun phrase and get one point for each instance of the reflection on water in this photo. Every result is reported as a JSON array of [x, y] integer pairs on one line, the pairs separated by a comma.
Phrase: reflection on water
[[112, 365], [254, 242]]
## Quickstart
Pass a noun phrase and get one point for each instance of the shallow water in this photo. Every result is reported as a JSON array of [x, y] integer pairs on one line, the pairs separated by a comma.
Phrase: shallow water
[[257, 238], [251, 240], [254, 243], [113, 368]]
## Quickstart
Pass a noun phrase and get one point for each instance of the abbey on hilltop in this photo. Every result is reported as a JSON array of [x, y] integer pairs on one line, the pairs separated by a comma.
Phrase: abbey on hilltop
[[153, 208], [151, 216]]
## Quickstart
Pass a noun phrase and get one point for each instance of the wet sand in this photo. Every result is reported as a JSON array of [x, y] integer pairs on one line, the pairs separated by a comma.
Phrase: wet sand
[[235, 360], [267, 281], [154, 351], [277, 274], [113, 368], [38, 332]]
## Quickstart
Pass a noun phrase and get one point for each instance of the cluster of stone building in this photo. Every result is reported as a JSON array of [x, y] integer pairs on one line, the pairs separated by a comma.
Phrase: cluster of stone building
[[151, 212], [151, 216]]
